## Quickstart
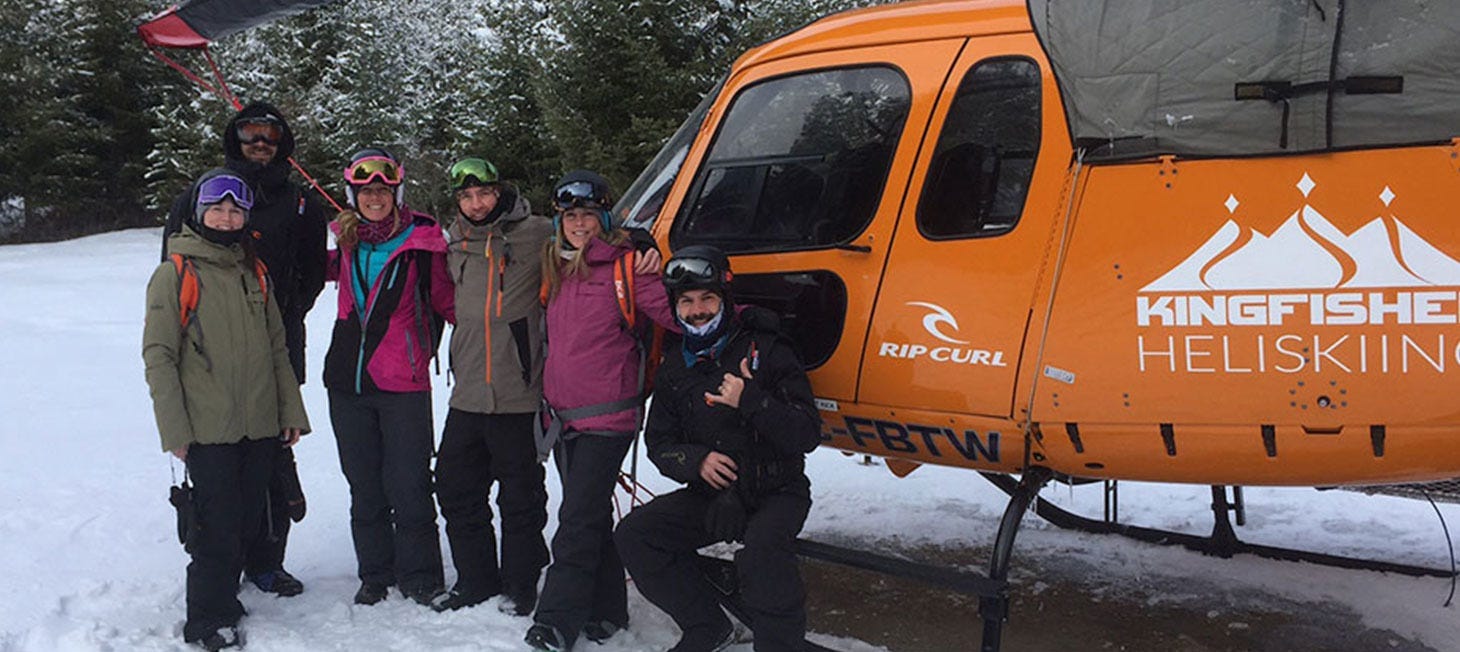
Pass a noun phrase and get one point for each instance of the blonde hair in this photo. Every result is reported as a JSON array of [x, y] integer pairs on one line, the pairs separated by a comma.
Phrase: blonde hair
[[555, 268], [349, 221]]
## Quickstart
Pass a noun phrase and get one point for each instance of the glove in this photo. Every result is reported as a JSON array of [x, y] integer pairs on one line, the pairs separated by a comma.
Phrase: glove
[[725, 520], [181, 497], [286, 482], [642, 240]]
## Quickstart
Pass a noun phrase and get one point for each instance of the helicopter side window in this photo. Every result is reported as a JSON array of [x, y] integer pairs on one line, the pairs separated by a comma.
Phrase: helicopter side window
[[810, 304], [981, 168], [799, 162]]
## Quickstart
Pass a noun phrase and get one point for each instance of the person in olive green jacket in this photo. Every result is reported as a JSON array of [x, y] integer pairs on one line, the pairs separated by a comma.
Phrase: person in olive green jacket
[[223, 392]]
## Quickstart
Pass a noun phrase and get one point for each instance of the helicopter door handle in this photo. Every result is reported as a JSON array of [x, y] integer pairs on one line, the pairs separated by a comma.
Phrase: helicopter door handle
[[861, 249]]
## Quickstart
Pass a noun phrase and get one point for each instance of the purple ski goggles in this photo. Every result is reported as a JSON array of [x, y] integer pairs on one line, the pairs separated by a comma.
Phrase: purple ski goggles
[[216, 188]]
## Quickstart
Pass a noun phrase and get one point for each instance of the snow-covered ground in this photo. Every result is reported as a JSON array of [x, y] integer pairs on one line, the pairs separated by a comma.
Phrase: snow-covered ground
[[89, 559]]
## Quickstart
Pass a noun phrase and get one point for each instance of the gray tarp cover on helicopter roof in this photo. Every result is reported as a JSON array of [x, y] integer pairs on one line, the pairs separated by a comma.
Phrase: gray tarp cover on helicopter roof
[[1142, 77]]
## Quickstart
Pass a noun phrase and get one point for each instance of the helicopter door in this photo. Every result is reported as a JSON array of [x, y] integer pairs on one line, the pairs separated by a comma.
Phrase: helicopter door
[[952, 312], [792, 187]]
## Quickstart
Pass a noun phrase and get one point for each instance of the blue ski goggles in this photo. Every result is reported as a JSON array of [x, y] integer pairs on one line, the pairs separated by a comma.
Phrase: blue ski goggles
[[215, 189]]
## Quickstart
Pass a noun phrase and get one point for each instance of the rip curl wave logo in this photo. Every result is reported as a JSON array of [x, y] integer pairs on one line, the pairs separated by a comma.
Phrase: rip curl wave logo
[[1309, 252], [938, 322], [938, 316]]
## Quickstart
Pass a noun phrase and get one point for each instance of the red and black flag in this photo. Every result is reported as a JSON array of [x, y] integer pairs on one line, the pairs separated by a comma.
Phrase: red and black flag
[[195, 24]]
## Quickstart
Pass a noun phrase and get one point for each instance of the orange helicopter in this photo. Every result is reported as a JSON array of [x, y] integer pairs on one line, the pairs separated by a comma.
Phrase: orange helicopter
[[1157, 241]]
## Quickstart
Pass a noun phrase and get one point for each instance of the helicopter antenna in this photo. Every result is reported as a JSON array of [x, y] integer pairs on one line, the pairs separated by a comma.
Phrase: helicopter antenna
[[1448, 544]]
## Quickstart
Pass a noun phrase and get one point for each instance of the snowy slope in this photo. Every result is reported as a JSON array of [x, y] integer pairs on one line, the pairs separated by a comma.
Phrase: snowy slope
[[89, 559]]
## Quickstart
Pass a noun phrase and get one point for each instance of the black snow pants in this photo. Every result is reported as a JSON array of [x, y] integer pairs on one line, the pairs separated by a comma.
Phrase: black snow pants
[[294, 338], [265, 553], [385, 441], [585, 582], [476, 450], [228, 498], [658, 543]]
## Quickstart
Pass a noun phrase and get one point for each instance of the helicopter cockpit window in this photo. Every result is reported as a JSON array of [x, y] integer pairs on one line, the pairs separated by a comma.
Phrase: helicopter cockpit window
[[799, 162], [981, 168], [640, 205]]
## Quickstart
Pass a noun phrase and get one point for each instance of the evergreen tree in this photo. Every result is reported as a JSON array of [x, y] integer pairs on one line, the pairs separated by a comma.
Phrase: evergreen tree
[[503, 103], [186, 139], [16, 20], [620, 75], [615, 76], [94, 133], [83, 141], [41, 128]]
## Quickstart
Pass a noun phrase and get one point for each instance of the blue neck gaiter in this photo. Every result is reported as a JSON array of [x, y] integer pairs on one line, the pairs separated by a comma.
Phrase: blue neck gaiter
[[705, 341]]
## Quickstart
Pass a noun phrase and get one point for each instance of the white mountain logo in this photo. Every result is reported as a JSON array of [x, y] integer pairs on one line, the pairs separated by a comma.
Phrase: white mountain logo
[[1309, 252]]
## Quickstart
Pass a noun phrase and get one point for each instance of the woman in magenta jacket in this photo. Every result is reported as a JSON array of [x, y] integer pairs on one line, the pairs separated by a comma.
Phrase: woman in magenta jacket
[[592, 384], [394, 295]]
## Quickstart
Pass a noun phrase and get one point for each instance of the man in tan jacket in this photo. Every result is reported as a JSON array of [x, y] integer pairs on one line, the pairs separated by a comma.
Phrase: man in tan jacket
[[494, 254]]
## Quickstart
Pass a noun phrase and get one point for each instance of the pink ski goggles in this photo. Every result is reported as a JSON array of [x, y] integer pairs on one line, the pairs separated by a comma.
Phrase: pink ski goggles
[[374, 168]]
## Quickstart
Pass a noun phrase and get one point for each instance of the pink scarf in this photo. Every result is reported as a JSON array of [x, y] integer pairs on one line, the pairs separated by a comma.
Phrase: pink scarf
[[378, 232]]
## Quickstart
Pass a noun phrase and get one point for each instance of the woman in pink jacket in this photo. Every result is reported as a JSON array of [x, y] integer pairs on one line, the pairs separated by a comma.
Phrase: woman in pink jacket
[[394, 294], [592, 384]]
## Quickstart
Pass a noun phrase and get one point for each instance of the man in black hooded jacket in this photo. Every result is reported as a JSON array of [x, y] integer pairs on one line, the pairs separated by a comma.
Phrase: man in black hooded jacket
[[733, 417], [288, 224]]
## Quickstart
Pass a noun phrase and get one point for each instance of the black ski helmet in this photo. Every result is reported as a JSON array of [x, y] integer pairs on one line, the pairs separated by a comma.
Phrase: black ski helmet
[[583, 189], [698, 267]]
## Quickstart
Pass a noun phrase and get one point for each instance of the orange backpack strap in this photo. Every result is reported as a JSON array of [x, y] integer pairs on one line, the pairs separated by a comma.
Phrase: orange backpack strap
[[651, 342], [623, 288], [652, 359], [187, 289], [261, 272]]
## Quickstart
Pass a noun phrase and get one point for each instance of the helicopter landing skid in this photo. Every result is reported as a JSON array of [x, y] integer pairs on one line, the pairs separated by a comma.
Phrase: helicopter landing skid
[[1222, 542], [992, 589]]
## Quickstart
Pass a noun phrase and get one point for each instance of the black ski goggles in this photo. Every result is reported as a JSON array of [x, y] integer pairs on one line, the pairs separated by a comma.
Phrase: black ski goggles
[[255, 130], [682, 272], [578, 194]]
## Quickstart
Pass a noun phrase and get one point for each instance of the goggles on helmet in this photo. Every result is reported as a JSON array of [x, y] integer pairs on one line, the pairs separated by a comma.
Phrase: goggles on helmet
[[374, 168], [215, 189], [472, 168], [578, 194], [253, 130], [691, 272]]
